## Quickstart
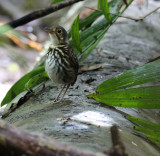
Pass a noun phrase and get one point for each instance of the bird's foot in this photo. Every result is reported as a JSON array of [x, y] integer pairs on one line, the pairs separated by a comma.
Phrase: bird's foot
[[56, 101]]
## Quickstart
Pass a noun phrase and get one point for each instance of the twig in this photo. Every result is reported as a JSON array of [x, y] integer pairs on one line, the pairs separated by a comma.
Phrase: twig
[[118, 148], [151, 12], [40, 13], [128, 17], [154, 59]]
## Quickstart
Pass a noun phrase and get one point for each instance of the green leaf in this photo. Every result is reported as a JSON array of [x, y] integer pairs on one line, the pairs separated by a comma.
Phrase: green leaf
[[56, 1], [91, 42], [35, 80], [5, 28], [100, 26], [89, 19], [19, 86], [75, 34], [143, 123], [86, 22], [89, 37], [150, 129], [151, 134], [103, 5], [144, 97], [154, 138], [147, 73], [98, 4]]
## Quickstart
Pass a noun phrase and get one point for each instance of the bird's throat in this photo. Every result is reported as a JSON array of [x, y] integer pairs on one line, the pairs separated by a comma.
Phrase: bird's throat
[[54, 40]]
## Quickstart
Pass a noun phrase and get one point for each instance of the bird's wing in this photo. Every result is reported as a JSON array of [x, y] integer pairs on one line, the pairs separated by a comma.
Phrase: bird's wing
[[70, 56], [73, 59]]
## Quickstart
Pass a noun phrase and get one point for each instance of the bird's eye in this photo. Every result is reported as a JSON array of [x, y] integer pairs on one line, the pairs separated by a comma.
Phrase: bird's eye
[[59, 31]]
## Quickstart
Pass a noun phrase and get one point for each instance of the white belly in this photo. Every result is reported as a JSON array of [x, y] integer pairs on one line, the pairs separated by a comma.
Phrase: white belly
[[53, 71]]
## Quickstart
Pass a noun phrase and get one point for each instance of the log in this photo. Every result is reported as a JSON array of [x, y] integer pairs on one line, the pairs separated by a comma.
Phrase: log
[[16, 142]]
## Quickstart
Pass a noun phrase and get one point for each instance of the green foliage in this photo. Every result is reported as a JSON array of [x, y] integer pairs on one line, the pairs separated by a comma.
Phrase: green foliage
[[56, 1], [143, 97], [84, 42], [144, 123], [147, 73], [86, 22], [150, 129], [35, 80], [20, 85], [75, 34], [92, 34], [91, 42], [5, 28], [113, 91], [103, 5]]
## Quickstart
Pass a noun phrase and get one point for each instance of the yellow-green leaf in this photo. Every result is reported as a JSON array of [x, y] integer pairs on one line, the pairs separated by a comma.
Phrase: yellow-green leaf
[[144, 97], [35, 80], [103, 5], [75, 34], [143, 123], [149, 129]]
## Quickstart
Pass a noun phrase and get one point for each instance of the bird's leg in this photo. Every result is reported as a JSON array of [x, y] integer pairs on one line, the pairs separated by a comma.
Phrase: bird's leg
[[65, 91], [57, 98]]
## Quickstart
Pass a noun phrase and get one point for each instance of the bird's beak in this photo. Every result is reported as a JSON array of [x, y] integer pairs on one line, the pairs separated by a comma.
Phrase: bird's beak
[[49, 30]]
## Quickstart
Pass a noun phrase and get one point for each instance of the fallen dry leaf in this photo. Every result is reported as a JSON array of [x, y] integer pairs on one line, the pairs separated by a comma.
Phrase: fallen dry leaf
[[87, 68]]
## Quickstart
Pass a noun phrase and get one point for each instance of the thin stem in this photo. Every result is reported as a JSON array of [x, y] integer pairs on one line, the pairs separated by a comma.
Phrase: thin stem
[[128, 17]]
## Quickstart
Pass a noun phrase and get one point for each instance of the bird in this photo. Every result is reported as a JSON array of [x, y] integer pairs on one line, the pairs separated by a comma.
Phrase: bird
[[61, 63]]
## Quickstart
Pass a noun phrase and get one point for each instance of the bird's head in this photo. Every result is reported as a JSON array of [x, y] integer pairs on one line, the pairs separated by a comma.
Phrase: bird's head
[[58, 35]]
